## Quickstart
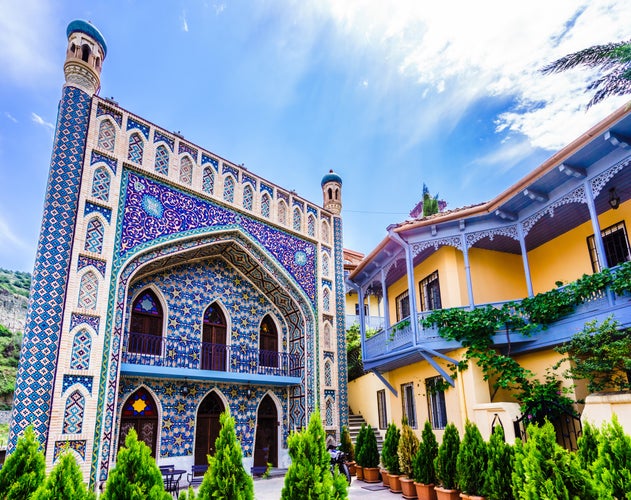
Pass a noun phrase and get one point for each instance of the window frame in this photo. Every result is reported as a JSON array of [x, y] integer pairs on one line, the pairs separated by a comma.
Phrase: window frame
[[425, 287], [399, 305], [606, 233], [382, 410], [408, 404], [436, 404]]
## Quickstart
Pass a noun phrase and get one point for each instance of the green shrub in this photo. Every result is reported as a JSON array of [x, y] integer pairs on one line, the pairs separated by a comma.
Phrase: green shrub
[[24, 470], [371, 452], [309, 474], [389, 457], [588, 445], [424, 471], [65, 482], [499, 469], [445, 462], [408, 446], [347, 444], [359, 446], [612, 469], [471, 461], [226, 477]]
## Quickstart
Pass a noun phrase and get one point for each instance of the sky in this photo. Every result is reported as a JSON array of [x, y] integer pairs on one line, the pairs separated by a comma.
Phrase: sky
[[388, 94]]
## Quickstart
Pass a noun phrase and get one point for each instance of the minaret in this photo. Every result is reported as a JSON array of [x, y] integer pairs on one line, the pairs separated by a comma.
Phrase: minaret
[[84, 56], [332, 192]]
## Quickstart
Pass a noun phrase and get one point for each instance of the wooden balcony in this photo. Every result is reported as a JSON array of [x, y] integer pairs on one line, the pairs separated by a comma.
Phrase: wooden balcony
[[170, 357]]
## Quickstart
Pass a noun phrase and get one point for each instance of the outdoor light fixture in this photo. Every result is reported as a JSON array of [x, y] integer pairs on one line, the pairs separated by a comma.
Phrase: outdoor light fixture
[[185, 388], [614, 199]]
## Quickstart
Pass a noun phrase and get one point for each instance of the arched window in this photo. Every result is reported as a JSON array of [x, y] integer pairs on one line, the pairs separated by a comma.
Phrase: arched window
[[311, 225], [248, 197], [208, 180], [186, 170], [228, 189], [162, 160], [297, 219], [85, 53], [265, 205], [88, 291], [328, 377], [325, 264], [107, 136], [94, 236], [268, 342], [325, 232], [327, 336], [145, 328], [136, 146], [282, 212], [328, 413], [101, 184], [326, 300], [73, 414], [81, 346], [140, 413], [214, 336]]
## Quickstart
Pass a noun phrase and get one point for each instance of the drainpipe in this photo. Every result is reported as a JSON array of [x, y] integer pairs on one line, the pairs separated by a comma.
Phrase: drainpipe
[[409, 260], [467, 268], [524, 258]]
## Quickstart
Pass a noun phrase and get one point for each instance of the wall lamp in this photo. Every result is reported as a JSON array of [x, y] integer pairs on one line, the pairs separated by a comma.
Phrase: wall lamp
[[614, 199]]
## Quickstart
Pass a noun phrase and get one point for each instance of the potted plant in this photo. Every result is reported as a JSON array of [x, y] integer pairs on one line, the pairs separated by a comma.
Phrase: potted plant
[[370, 456], [408, 446], [471, 463], [389, 457], [499, 469], [445, 464], [348, 449], [424, 471], [359, 453]]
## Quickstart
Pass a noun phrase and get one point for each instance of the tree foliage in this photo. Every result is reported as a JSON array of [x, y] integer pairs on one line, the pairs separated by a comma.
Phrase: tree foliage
[[612, 469], [136, 475], [389, 457], [347, 444], [447, 457], [430, 203], [24, 470], [370, 449], [309, 476], [424, 470], [408, 446], [359, 445], [65, 482], [499, 470], [226, 478], [471, 461]]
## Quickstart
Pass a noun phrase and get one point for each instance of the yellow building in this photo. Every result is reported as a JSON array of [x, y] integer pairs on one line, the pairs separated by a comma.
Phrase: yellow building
[[565, 219]]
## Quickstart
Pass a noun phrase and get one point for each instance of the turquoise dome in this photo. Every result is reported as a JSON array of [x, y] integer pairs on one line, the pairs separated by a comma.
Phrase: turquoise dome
[[88, 29], [331, 177]]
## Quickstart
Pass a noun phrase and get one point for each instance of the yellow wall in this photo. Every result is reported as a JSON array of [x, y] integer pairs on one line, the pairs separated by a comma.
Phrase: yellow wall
[[375, 307], [496, 276]]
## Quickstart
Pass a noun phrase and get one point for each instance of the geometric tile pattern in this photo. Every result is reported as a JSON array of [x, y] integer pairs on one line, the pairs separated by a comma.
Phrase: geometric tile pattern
[[297, 220], [136, 147], [160, 137], [100, 158], [268, 189], [282, 196], [186, 170], [77, 319], [40, 345], [248, 197], [230, 170], [298, 203], [78, 446], [88, 291], [328, 418], [107, 136], [94, 236], [265, 205], [282, 213], [325, 234], [83, 380], [340, 301], [328, 379], [98, 264], [248, 179], [212, 161], [92, 207], [131, 123], [228, 189], [312, 210], [311, 223], [102, 110], [326, 299], [101, 184], [208, 180], [81, 346], [185, 148], [73, 413], [162, 160], [325, 264]]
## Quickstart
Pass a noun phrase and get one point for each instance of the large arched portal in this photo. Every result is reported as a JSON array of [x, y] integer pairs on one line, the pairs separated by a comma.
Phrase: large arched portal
[[266, 440], [140, 413], [208, 427]]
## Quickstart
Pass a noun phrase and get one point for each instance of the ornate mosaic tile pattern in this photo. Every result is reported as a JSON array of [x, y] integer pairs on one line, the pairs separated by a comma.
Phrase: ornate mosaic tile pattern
[[266, 188], [186, 170], [73, 414], [104, 110], [245, 178], [160, 137], [94, 236], [88, 291], [97, 157], [34, 385], [83, 380], [230, 170], [312, 210], [298, 203], [131, 123], [161, 163], [182, 213], [81, 347], [265, 205], [228, 189], [78, 446], [208, 180], [282, 196], [136, 147], [211, 160], [77, 319], [248, 197], [340, 306], [107, 136], [93, 207], [98, 264], [185, 148], [101, 184]]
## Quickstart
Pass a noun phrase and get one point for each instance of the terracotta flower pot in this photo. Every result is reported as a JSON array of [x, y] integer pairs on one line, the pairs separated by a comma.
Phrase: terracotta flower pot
[[407, 487], [443, 494], [425, 491], [351, 468], [371, 474], [464, 496], [395, 483], [385, 477], [359, 472]]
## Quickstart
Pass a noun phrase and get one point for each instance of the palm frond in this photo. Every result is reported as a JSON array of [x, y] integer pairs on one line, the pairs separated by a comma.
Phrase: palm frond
[[607, 56]]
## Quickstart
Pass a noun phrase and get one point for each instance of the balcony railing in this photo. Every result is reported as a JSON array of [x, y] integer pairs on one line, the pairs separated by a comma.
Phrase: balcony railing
[[154, 350], [372, 322]]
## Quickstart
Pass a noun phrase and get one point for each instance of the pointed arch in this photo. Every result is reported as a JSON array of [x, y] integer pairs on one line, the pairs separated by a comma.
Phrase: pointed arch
[[282, 212], [266, 205], [328, 373], [107, 136], [101, 184], [268, 342], [327, 335], [214, 338], [161, 163], [228, 189], [311, 225], [94, 234], [88, 291], [325, 264], [146, 324], [297, 219], [266, 437], [207, 426], [325, 233], [135, 148], [186, 170], [208, 180], [140, 412], [248, 197], [73, 413], [81, 347], [326, 299], [329, 409]]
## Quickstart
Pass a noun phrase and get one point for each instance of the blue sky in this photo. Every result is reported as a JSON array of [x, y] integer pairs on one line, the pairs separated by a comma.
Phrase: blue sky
[[389, 94]]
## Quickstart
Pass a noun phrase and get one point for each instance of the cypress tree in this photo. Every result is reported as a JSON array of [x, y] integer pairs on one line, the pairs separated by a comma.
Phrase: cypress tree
[[588, 445], [65, 482], [371, 452], [471, 462], [424, 471], [359, 445], [389, 457], [136, 475], [24, 470], [309, 475], [347, 445], [226, 478], [612, 469], [497, 478], [445, 463], [406, 451]]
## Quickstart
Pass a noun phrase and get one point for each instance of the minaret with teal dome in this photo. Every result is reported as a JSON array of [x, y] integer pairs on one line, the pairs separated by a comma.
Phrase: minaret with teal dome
[[332, 192], [37, 372]]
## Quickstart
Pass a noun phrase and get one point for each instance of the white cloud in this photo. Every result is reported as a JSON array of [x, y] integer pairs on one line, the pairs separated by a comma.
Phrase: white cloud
[[184, 22], [10, 117], [40, 121]]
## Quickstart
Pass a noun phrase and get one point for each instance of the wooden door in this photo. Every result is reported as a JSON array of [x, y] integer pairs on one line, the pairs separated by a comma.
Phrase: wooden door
[[207, 427], [266, 439]]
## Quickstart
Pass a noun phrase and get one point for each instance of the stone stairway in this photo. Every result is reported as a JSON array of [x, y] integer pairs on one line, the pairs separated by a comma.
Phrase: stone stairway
[[354, 424]]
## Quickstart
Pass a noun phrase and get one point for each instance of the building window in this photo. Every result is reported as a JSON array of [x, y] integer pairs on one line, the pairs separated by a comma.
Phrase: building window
[[409, 408], [228, 189], [88, 291], [282, 212], [186, 170], [311, 223], [265, 205], [107, 136], [162, 161], [325, 232], [616, 244], [436, 402], [134, 153], [429, 290], [145, 329], [101, 184], [325, 264], [94, 236], [328, 374], [208, 181], [73, 414], [403, 305], [357, 309], [328, 412], [297, 222], [248, 197], [327, 336], [268, 341], [81, 346], [381, 409]]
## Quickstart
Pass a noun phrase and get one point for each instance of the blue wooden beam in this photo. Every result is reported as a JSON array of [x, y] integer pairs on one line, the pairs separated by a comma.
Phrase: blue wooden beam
[[386, 383]]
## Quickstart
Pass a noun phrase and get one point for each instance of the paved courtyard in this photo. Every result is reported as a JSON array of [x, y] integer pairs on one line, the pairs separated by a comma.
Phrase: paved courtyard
[[269, 489]]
